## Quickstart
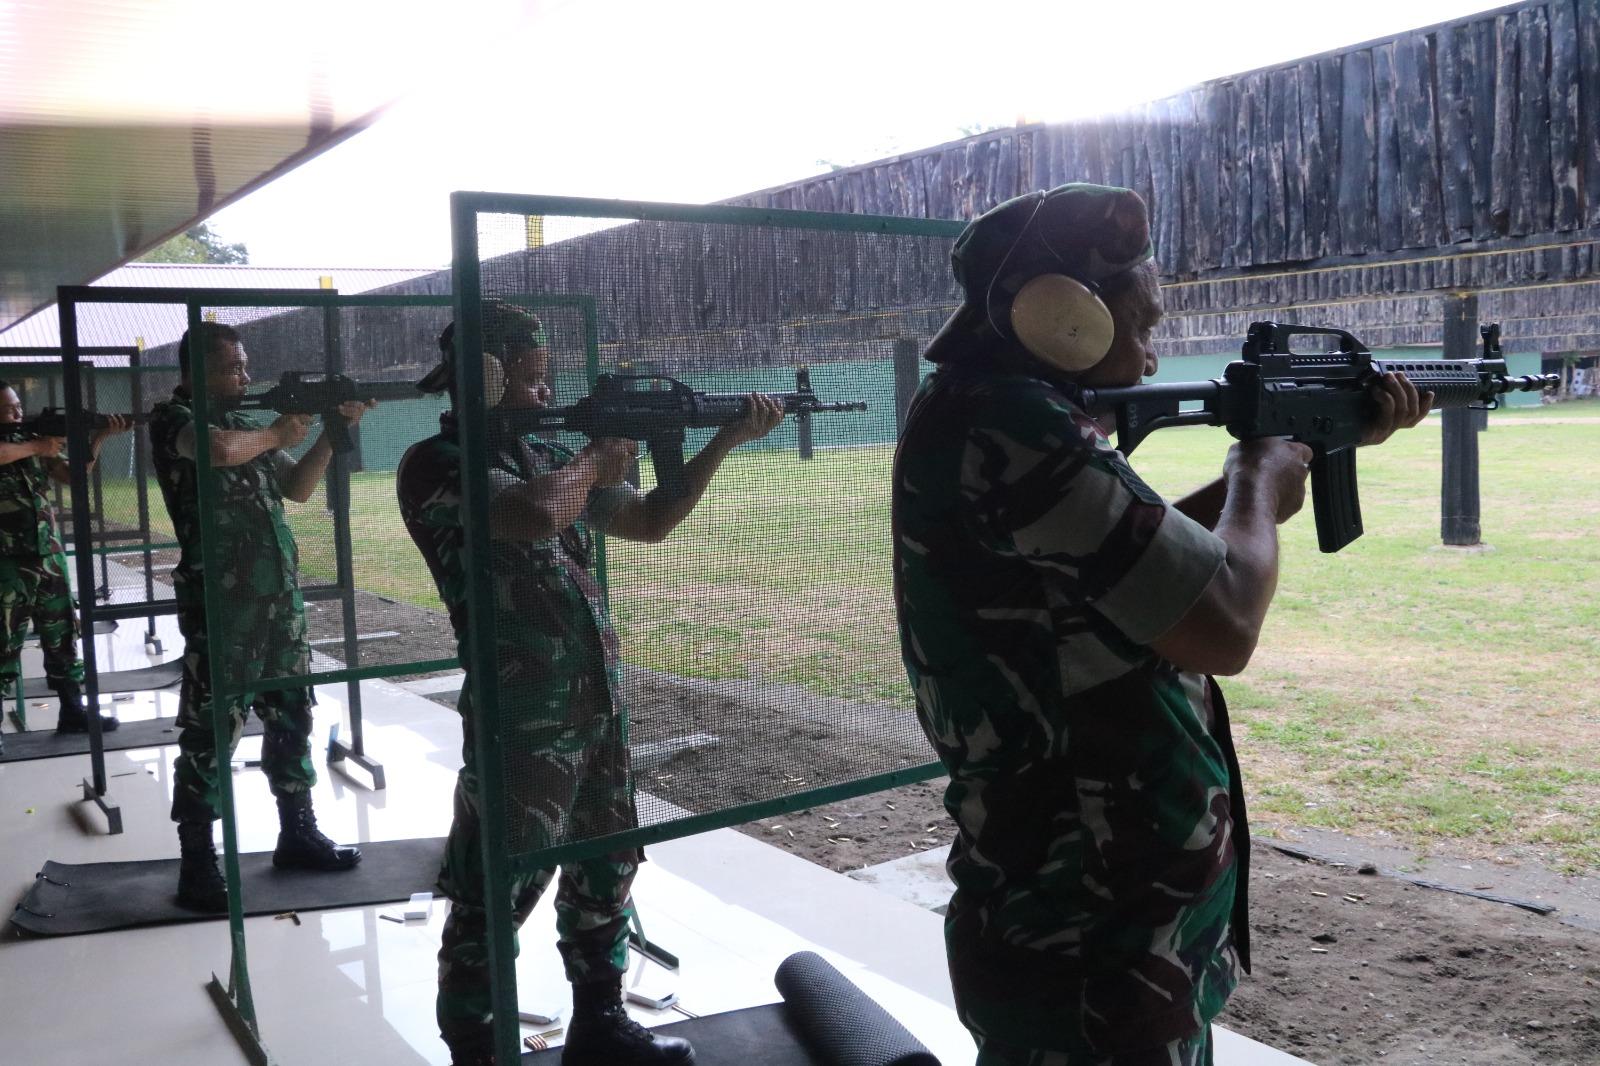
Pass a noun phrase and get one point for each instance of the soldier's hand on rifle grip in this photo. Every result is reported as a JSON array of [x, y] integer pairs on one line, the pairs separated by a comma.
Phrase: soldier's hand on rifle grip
[[291, 429], [48, 447], [1276, 465], [613, 458], [1397, 405]]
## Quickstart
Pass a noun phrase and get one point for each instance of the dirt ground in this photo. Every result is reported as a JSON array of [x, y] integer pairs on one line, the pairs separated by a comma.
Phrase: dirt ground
[[1351, 968]]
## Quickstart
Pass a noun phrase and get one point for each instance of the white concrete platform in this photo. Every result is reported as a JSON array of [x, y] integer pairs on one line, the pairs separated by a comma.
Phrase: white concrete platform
[[349, 987]]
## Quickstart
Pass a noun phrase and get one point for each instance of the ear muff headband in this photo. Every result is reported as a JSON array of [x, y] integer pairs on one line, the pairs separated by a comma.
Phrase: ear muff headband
[[1061, 321]]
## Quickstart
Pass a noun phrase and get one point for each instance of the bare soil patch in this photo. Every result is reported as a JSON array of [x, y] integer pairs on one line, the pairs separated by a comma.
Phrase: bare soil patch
[[1350, 968]]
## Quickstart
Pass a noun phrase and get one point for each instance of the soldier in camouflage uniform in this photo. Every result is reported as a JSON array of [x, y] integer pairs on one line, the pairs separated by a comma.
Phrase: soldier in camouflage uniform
[[266, 618], [34, 589], [1059, 620], [564, 727]]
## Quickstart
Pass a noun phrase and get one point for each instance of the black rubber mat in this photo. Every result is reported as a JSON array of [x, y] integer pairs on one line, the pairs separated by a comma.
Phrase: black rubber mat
[[66, 898], [46, 743], [143, 679], [755, 1036]]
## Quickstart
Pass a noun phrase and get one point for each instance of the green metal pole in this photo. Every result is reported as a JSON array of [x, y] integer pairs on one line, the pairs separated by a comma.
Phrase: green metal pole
[[479, 654], [222, 686]]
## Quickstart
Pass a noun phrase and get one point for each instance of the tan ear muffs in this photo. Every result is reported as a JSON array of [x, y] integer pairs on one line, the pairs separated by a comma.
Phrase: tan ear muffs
[[1061, 321], [494, 380]]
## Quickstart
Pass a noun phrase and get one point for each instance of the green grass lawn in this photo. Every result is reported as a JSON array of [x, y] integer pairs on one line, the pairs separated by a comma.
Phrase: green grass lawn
[[1441, 695]]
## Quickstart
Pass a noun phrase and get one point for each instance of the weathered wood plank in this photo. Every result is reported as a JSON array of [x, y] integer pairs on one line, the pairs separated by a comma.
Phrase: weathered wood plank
[[1006, 174], [1117, 160], [1330, 82], [1091, 151], [1455, 131], [1503, 160], [1588, 14], [1244, 141], [1357, 156], [1287, 91], [1141, 132], [1312, 163], [1481, 81], [1266, 174], [1416, 116], [1185, 146], [1565, 116], [1166, 198], [1390, 231], [1532, 210], [1214, 176]]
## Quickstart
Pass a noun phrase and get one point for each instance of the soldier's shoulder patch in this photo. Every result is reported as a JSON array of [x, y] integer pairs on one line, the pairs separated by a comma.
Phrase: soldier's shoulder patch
[[1132, 481]]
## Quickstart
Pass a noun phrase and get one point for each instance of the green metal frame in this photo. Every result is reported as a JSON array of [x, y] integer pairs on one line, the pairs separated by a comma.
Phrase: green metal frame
[[234, 999], [466, 207]]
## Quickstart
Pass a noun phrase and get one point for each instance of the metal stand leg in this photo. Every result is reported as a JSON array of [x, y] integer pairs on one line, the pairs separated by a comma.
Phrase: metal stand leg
[[341, 754], [654, 952], [19, 709], [102, 800], [245, 1033]]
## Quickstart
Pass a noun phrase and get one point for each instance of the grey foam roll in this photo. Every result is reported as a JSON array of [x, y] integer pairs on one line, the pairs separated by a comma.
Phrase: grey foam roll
[[839, 1021]]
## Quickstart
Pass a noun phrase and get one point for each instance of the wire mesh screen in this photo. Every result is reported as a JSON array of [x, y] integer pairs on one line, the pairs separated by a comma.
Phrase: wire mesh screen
[[756, 661]]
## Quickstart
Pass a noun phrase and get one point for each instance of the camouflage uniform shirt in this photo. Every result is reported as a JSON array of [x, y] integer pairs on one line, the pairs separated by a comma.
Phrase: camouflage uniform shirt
[[255, 546], [548, 600], [27, 520], [1089, 778]]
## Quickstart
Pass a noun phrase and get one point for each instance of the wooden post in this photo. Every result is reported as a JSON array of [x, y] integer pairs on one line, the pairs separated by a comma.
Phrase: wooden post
[[907, 376], [1459, 512]]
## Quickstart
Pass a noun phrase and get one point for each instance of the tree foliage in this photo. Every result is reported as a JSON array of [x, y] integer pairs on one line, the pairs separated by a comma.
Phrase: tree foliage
[[197, 245]]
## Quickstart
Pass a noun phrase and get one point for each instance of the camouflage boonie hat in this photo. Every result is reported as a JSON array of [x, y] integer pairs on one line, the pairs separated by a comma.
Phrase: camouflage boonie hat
[[1088, 232], [503, 326]]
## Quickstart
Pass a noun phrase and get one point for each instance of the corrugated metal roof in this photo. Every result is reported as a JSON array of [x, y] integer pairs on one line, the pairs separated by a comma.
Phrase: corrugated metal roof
[[107, 325], [123, 122]]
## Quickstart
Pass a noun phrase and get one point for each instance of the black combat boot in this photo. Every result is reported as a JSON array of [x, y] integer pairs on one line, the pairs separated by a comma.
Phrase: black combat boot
[[472, 1053], [602, 1034], [200, 883], [301, 846], [74, 719]]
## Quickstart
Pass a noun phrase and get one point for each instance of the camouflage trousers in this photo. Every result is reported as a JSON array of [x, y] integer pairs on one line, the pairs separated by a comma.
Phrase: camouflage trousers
[[566, 778], [1189, 1051], [34, 593], [266, 638]]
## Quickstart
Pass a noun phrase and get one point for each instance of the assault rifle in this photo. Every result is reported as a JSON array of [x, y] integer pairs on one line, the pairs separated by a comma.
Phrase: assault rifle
[[52, 422], [656, 410], [303, 392], [1320, 399]]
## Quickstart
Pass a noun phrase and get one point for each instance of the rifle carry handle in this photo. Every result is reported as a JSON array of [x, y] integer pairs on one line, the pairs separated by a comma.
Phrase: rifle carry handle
[[1334, 499], [1274, 338]]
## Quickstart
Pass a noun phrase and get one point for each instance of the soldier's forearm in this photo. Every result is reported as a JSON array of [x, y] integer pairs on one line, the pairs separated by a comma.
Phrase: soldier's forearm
[[235, 447], [545, 505], [308, 471], [15, 452]]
